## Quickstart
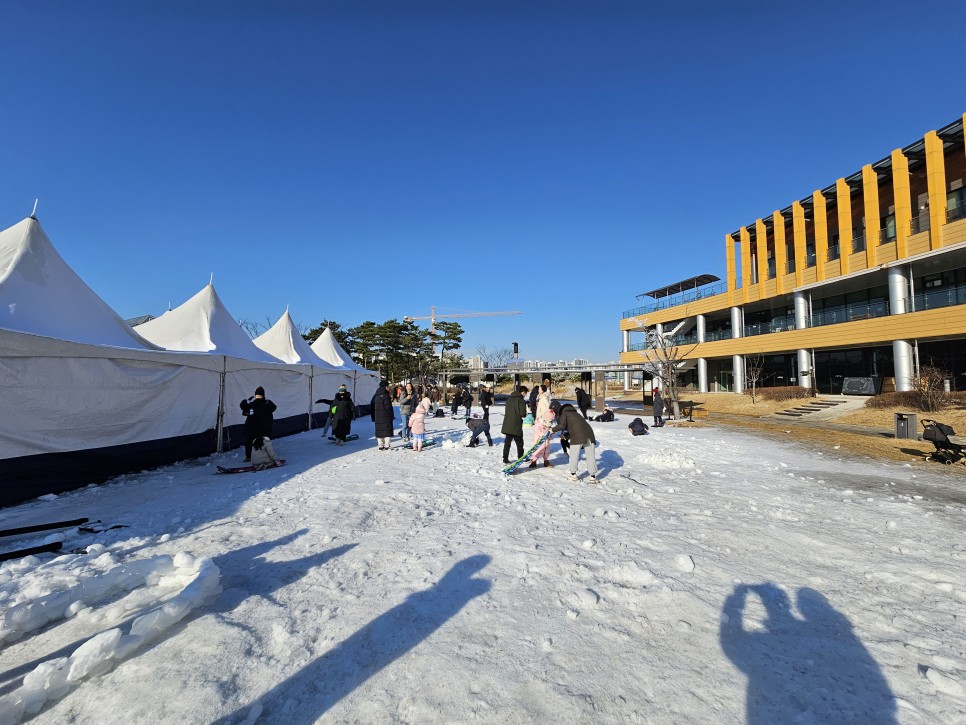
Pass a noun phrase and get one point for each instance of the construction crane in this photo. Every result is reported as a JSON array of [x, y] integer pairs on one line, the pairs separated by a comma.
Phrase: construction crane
[[432, 317]]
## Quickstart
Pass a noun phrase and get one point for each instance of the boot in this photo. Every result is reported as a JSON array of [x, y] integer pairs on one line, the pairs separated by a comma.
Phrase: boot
[[547, 464], [533, 464], [472, 444]]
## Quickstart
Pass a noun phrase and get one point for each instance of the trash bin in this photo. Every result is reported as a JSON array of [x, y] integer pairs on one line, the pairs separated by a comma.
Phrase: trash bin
[[907, 425]]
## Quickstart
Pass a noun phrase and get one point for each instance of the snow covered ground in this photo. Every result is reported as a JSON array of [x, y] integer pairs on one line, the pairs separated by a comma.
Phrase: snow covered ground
[[712, 576]]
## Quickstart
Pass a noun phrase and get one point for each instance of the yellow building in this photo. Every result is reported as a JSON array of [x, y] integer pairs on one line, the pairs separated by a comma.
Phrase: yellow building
[[865, 278]]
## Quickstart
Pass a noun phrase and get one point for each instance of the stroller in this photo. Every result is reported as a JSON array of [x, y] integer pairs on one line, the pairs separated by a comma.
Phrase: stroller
[[950, 448]]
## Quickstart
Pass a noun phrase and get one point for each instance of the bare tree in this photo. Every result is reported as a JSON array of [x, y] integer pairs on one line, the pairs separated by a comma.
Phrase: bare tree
[[254, 328], [497, 358], [931, 388], [663, 359], [754, 369]]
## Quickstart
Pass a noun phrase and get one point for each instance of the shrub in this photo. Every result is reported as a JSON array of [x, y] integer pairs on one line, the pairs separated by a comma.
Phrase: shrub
[[908, 400], [788, 392], [929, 395]]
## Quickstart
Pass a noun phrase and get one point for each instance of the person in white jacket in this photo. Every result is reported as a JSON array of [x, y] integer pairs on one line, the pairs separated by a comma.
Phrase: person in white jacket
[[263, 455]]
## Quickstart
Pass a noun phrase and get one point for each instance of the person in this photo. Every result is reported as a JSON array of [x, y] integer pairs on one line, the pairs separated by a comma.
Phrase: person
[[381, 414], [406, 401], [486, 400], [583, 401], [417, 422], [606, 417], [263, 454], [258, 418], [478, 426], [542, 422], [468, 401], [637, 427], [457, 399], [343, 411], [581, 438], [669, 409], [658, 408], [513, 414], [533, 400]]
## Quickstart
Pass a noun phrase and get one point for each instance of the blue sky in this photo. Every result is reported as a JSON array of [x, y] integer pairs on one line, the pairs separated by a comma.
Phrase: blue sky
[[366, 160]]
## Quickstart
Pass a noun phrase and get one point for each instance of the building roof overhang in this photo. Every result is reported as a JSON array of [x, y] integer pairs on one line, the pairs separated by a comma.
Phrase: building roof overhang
[[683, 285]]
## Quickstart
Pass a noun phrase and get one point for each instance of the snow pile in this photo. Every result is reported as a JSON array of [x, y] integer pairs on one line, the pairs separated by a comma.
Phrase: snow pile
[[72, 588]]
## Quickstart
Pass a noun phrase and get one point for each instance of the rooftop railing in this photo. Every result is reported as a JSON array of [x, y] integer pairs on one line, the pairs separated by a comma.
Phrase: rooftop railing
[[680, 298]]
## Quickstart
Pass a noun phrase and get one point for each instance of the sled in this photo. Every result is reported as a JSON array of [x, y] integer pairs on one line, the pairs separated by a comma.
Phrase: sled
[[350, 437], [520, 461], [248, 469], [426, 444]]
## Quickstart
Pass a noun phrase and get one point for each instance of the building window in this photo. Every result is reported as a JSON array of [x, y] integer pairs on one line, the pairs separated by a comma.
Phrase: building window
[[888, 229], [833, 248], [956, 204]]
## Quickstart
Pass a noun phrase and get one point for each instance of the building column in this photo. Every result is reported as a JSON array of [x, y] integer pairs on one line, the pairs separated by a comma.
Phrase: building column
[[899, 289], [627, 341], [700, 324], [798, 240], [627, 380], [870, 201], [801, 311], [843, 207], [899, 305], [903, 202], [781, 251], [820, 211], [745, 238], [737, 330], [805, 374], [804, 359], [761, 250], [702, 375], [902, 359], [738, 368], [731, 274], [936, 185]]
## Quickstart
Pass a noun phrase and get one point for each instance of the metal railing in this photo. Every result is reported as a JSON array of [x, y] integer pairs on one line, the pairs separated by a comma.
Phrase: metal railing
[[680, 298], [850, 313], [955, 210], [919, 224], [940, 297], [858, 243]]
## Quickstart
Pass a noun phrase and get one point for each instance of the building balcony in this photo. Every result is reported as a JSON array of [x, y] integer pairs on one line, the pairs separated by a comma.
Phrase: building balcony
[[939, 297]]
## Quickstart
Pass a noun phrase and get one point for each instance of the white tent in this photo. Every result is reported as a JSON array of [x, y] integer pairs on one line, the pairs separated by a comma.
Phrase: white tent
[[202, 324], [87, 398], [41, 295], [365, 382], [284, 342]]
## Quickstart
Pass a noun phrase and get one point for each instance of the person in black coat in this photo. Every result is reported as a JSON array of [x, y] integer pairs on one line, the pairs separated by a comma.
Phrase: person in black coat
[[582, 438], [381, 414], [638, 427], [486, 400], [467, 401], [513, 415], [343, 412], [583, 402], [258, 418]]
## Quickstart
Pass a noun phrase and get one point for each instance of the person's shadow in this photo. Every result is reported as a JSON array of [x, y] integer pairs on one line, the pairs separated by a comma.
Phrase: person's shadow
[[811, 668], [312, 691]]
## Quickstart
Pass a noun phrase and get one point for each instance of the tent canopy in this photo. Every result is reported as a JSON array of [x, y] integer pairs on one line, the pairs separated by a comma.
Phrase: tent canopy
[[284, 342], [203, 324], [41, 295]]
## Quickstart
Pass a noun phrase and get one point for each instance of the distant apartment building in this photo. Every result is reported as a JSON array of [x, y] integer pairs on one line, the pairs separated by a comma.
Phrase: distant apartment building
[[865, 278]]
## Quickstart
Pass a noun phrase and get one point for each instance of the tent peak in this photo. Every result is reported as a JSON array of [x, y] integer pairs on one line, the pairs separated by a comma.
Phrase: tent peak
[[33, 214]]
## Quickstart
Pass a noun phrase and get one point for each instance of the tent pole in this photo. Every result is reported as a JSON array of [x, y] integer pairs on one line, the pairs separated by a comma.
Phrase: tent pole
[[221, 406], [311, 380]]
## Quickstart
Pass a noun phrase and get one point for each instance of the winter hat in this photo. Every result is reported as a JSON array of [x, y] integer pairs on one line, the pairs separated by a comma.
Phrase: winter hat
[[342, 387], [260, 391], [383, 383], [555, 407]]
